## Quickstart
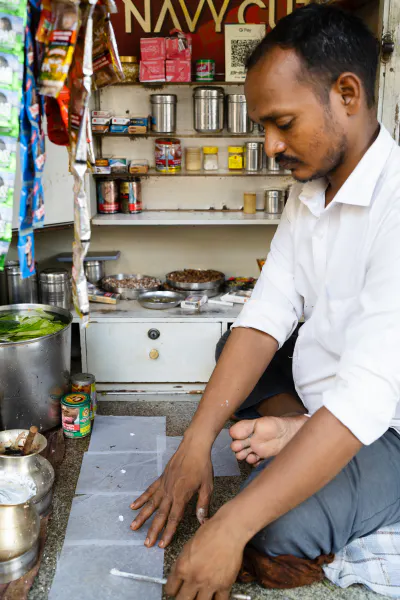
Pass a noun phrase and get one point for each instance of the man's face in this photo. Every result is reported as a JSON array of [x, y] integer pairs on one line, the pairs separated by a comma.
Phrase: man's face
[[303, 131]]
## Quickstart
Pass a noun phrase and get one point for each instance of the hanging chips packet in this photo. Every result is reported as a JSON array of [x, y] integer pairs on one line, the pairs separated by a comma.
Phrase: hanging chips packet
[[107, 68]]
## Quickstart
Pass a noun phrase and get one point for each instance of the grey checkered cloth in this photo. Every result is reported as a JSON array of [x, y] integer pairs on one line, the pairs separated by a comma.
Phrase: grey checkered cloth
[[373, 560]]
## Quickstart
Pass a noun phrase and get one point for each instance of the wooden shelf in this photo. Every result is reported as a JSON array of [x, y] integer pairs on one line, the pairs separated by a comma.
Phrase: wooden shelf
[[202, 173], [160, 84], [151, 134], [189, 217]]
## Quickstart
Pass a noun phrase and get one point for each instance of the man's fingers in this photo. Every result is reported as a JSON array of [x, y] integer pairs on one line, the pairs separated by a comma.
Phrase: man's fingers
[[203, 502], [242, 429], [222, 596], [173, 584], [205, 595], [188, 591], [253, 459], [139, 502], [175, 517], [158, 523], [146, 512], [238, 445]]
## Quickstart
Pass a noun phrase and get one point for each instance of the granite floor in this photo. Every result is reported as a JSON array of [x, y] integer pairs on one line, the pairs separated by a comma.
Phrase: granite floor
[[178, 415]]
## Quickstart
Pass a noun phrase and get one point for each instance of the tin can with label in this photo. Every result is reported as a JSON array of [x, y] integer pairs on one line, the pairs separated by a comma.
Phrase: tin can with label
[[168, 154], [130, 195], [205, 69], [86, 383], [107, 197], [75, 415]]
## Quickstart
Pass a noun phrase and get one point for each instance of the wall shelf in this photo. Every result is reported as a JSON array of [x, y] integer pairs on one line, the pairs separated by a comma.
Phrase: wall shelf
[[182, 217], [160, 84], [151, 134], [183, 173]]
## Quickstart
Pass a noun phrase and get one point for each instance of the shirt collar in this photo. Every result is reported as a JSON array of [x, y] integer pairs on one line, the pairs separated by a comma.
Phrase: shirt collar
[[360, 185]]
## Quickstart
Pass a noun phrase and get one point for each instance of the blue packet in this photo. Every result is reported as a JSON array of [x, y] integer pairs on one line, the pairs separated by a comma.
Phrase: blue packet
[[26, 254], [38, 203]]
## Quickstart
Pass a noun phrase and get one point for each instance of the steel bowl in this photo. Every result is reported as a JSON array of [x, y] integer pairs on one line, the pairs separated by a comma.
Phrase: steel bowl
[[173, 300], [204, 285], [127, 293]]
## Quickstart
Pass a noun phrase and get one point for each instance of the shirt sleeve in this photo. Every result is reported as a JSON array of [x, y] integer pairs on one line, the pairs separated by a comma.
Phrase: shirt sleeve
[[366, 388], [275, 306]]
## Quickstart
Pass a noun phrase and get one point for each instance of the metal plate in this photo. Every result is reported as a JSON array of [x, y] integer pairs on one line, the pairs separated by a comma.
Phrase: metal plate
[[127, 293], [207, 285], [174, 299]]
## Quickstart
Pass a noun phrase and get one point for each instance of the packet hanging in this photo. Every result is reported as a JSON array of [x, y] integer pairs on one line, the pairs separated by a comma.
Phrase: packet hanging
[[8, 154], [13, 7], [26, 254], [9, 112], [60, 49], [12, 31], [107, 68], [11, 72]]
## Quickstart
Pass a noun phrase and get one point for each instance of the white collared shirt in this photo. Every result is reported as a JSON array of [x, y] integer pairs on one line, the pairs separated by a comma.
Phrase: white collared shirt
[[339, 266]]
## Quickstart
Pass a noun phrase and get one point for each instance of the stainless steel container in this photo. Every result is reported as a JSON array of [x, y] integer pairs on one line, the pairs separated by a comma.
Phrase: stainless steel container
[[238, 118], [19, 540], [33, 465], [274, 202], [163, 112], [208, 109], [94, 270], [35, 374], [272, 165], [3, 281], [21, 291], [253, 156], [55, 288]]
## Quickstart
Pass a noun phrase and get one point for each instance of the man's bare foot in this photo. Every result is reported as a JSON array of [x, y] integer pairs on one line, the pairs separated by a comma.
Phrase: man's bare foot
[[265, 437]]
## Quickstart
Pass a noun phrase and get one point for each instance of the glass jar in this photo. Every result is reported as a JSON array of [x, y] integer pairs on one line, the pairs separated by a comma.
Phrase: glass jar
[[193, 159], [210, 161], [235, 158], [130, 67]]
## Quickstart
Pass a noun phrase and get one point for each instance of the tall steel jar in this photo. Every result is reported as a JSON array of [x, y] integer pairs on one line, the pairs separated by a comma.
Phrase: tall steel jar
[[163, 112], [35, 374], [208, 109]]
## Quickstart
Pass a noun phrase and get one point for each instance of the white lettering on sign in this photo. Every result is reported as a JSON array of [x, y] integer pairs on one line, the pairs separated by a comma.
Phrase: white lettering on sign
[[167, 7]]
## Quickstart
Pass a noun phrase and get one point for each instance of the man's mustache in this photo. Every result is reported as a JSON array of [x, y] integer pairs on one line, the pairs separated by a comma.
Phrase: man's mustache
[[287, 160]]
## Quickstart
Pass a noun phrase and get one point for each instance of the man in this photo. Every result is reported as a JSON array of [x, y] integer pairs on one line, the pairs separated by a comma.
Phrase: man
[[335, 259]]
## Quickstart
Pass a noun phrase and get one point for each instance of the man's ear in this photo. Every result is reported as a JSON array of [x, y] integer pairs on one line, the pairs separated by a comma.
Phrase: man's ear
[[349, 87]]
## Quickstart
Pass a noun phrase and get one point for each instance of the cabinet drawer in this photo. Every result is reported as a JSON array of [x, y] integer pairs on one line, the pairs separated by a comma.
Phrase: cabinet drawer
[[124, 352]]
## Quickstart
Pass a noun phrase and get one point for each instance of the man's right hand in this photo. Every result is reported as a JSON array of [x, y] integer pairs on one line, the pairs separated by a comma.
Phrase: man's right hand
[[189, 471]]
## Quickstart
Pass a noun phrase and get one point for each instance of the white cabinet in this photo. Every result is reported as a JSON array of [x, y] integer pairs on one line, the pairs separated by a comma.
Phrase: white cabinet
[[124, 351]]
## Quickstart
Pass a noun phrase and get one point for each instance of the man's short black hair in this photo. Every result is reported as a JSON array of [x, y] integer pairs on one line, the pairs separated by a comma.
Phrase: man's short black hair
[[330, 42]]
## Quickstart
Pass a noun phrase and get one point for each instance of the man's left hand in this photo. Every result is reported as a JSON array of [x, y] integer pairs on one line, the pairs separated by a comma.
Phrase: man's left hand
[[209, 563]]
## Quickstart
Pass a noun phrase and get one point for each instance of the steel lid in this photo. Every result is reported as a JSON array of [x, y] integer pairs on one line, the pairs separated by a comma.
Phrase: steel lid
[[94, 263], [208, 92], [163, 99], [54, 276], [236, 98], [253, 145]]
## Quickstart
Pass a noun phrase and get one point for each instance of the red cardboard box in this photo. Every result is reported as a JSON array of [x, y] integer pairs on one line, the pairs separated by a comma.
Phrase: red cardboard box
[[173, 46], [152, 48], [178, 70], [152, 70]]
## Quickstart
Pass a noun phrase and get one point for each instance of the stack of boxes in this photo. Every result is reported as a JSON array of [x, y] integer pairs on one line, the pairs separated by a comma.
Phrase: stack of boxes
[[166, 59]]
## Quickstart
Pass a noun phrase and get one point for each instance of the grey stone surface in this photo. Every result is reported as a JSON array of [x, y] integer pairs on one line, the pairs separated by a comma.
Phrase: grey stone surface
[[178, 416]]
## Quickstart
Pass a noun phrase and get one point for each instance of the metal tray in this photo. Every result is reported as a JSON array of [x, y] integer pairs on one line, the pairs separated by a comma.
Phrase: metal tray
[[174, 298], [207, 285], [127, 293]]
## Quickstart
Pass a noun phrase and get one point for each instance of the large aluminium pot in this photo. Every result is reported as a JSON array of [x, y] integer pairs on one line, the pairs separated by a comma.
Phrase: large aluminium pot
[[34, 375]]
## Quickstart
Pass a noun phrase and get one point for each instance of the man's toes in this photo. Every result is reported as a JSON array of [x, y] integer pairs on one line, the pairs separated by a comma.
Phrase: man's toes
[[242, 430]]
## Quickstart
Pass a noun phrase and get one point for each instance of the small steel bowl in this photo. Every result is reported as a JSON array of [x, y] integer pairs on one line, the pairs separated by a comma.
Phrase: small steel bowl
[[166, 300]]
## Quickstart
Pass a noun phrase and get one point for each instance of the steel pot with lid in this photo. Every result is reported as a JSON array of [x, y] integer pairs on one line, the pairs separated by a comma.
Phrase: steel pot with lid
[[34, 374], [239, 121], [20, 290], [208, 109], [163, 112]]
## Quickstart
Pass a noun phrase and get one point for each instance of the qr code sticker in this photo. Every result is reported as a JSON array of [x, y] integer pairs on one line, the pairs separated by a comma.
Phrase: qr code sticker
[[241, 50]]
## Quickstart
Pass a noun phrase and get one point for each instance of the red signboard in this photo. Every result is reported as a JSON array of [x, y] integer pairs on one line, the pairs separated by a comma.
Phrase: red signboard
[[205, 19]]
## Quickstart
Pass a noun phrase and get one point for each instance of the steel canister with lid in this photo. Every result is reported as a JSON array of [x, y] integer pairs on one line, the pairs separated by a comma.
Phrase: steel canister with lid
[[163, 112], [208, 109], [20, 291], [94, 270], [130, 195], [274, 202], [238, 118], [75, 415], [55, 288], [86, 383], [253, 156]]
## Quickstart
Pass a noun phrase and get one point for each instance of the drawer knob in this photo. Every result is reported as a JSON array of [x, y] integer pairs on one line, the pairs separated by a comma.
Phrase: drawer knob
[[154, 354], [153, 334]]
